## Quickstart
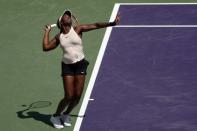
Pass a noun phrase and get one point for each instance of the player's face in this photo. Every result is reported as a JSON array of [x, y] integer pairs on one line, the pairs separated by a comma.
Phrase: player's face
[[66, 20]]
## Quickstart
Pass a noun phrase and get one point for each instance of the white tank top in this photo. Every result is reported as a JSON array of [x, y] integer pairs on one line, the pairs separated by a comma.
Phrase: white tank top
[[72, 47]]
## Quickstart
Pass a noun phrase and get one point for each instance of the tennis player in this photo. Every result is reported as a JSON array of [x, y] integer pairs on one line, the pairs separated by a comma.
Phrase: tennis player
[[74, 64]]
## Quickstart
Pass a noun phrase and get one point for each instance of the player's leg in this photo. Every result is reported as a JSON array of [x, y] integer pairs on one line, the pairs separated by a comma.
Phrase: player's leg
[[79, 86], [79, 81], [68, 82]]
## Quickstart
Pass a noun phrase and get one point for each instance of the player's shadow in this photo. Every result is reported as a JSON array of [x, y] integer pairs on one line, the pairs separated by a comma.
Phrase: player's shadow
[[44, 118]]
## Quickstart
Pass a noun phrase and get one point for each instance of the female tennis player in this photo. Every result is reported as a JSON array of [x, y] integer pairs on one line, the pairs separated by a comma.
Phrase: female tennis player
[[74, 64]]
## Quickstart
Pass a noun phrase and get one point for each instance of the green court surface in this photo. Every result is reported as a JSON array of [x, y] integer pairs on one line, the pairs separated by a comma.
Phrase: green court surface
[[27, 74]]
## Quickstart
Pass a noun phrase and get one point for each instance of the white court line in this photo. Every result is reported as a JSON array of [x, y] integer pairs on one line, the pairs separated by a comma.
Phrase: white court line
[[91, 99], [152, 26], [95, 70], [157, 3]]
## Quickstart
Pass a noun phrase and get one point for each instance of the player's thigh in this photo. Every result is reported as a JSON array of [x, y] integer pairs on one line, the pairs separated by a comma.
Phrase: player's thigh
[[68, 83], [79, 84]]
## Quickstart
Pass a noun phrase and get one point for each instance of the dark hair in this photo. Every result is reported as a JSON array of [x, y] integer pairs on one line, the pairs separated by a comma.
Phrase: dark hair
[[58, 24], [67, 13]]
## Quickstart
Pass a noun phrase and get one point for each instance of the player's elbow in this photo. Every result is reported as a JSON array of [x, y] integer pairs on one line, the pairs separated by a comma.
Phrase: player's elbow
[[45, 49], [97, 25]]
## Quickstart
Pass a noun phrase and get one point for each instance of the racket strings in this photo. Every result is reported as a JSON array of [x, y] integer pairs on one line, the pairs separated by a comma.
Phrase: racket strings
[[75, 21]]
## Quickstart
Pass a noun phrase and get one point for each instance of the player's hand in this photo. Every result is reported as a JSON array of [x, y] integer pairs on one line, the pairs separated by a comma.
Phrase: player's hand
[[117, 20], [48, 28]]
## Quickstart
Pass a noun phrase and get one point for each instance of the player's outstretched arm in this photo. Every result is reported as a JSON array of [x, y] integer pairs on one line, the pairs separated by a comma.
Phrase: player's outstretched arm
[[98, 25]]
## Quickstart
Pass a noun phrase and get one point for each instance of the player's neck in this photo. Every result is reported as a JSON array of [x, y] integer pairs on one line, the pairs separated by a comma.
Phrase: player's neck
[[66, 29]]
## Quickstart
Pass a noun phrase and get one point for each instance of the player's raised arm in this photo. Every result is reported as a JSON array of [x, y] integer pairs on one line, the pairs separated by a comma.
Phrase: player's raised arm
[[98, 25], [49, 45]]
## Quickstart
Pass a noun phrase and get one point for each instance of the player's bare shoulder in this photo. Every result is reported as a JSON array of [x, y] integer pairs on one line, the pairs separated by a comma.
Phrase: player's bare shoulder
[[77, 29]]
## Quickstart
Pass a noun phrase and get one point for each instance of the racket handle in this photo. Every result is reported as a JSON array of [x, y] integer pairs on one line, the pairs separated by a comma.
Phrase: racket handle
[[53, 25]]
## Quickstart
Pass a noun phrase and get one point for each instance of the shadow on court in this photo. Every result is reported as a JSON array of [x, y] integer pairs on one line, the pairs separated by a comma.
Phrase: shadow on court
[[44, 118], [25, 114]]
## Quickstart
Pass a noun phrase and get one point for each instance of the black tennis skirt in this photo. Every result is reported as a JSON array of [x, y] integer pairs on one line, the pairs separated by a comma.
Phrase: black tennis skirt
[[78, 68]]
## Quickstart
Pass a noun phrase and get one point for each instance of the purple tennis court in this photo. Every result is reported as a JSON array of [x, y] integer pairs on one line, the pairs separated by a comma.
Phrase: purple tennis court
[[147, 78]]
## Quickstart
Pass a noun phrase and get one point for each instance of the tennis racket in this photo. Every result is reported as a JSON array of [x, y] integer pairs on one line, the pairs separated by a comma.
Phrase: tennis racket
[[75, 21]]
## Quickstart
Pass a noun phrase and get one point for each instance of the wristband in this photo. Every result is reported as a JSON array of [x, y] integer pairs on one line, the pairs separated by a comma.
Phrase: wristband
[[112, 23]]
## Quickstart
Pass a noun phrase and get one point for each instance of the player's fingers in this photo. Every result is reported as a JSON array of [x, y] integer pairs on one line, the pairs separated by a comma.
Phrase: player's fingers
[[117, 20], [47, 27]]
